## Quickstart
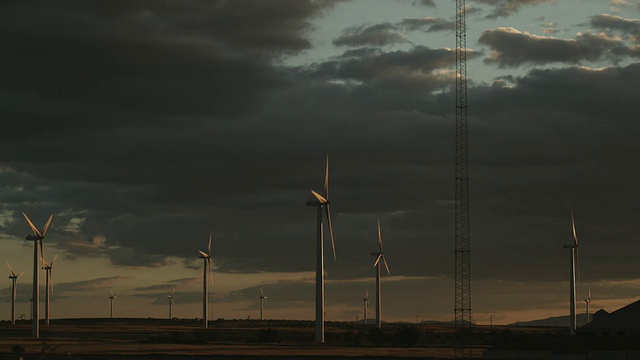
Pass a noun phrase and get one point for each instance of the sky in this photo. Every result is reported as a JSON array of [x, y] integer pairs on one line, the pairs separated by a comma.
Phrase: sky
[[145, 126]]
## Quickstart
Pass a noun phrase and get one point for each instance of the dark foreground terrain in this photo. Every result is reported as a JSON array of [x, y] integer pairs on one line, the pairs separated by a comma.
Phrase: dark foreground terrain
[[276, 339]]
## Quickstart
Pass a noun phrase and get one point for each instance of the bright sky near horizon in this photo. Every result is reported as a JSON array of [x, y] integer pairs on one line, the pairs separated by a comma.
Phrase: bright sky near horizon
[[145, 126]]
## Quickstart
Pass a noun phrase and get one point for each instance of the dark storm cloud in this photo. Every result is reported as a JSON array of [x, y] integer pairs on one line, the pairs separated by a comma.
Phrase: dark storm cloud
[[416, 69], [513, 48], [93, 284], [506, 8], [617, 23], [152, 175], [374, 35], [429, 24]]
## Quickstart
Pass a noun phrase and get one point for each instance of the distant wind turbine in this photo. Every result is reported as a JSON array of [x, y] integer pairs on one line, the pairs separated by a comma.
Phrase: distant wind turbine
[[573, 247], [380, 260], [170, 297], [14, 280], [321, 201], [112, 297], [48, 286], [263, 297], [365, 304], [205, 289], [37, 237], [587, 301]]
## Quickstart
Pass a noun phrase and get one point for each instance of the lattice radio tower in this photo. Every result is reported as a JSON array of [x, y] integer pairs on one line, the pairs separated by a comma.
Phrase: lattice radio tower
[[462, 308]]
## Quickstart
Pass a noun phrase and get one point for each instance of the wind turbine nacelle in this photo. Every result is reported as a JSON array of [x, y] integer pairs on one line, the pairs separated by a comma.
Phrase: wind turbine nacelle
[[33, 237]]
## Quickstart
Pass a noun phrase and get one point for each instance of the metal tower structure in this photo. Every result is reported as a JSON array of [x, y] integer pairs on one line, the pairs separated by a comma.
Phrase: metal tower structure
[[462, 310]]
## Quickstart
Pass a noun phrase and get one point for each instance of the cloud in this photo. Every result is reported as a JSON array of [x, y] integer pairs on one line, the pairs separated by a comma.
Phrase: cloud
[[374, 35], [429, 24], [512, 47], [617, 23], [506, 8], [103, 283]]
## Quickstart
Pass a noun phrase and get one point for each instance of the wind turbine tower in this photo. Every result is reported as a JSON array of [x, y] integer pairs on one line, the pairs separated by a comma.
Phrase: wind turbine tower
[[380, 260], [48, 286], [365, 305], [573, 252], [262, 298], [171, 302], [321, 201], [37, 238], [587, 301], [14, 280], [462, 307], [112, 297], [206, 256]]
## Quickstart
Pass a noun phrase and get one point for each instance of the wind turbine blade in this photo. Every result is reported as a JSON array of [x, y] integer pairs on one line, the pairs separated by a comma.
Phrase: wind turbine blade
[[51, 280], [203, 254], [33, 227], [209, 246], [333, 244], [319, 197], [11, 269], [17, 276], [45, 264], [377, 260], [46, 226], [380, 237], [41, 249], [326, 178], [384, 261], [111, 292], [173, 293], [366, 293], [577, 255], [589, 294], [54, 259], [573, 225], [261, 292], [211, 277]]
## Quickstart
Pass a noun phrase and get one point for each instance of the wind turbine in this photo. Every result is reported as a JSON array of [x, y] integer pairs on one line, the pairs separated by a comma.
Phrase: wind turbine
[[573, 248], [14, 280], [205, 290], [321, 201], [587, 301], [48, 286], [37, 237], [171, 302], [262, 298], [380, 259], [365, 304], [112, 297]]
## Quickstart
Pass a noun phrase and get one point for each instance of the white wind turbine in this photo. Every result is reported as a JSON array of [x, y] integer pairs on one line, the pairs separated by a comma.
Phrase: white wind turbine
[[573, 247], [587, 301], [380, 259], [205, 290], [14, 280], [48, 286], [365, 304], [171, 297], [321, 201], [37, 237], [263, 297], [112, 297]]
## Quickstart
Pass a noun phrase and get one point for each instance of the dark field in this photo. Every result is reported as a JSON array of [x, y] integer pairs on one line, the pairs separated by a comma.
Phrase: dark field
[[251, 339]]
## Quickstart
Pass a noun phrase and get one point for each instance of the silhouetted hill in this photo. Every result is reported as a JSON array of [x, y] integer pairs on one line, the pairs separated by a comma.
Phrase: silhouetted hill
[[553, 321]]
